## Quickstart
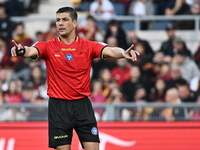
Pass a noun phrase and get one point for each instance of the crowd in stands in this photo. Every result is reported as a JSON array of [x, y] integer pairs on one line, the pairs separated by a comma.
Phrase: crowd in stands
[[170, 74]]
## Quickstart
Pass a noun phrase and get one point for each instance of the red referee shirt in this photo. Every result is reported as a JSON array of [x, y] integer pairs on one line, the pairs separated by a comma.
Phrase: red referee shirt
[[68, 66]]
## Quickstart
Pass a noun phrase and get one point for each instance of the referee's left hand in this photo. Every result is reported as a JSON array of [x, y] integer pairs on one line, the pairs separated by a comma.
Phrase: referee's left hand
[[131, 54]]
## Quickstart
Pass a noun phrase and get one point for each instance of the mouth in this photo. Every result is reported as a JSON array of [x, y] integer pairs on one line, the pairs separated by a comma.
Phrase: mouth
[[61, 29]]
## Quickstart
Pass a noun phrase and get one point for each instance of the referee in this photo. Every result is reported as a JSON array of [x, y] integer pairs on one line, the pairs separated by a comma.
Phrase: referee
[[68, 60]]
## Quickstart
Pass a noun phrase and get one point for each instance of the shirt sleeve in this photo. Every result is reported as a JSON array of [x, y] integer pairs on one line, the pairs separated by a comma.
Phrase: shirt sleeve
[[97, 49], [41, 48]]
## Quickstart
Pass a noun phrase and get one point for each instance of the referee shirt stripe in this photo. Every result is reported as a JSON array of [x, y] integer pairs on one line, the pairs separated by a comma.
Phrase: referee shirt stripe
[[102, 53]]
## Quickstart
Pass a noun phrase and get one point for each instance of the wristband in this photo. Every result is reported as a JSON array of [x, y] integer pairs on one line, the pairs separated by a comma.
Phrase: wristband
[[21, 51]]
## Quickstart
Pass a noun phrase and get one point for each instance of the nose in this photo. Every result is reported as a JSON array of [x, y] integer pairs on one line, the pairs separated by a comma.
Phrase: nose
[[60, 22]]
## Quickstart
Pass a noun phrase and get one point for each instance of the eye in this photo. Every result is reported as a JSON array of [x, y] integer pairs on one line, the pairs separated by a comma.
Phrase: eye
[[57, 19], [65, 19]]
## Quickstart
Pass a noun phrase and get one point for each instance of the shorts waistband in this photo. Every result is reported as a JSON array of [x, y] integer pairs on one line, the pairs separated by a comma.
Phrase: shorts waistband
[[84, 98]]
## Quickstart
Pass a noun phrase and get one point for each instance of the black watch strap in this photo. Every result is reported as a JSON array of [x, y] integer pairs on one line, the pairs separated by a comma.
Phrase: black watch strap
[[21, 51]]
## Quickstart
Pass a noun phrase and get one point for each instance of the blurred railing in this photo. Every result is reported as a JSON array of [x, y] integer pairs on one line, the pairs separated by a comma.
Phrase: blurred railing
[[136, 19], [109, 112], [158, 22]]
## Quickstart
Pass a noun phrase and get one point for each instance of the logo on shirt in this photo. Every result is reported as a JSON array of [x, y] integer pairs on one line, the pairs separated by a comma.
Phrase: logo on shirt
[[69, 57], [94, 131], [57, 55], [68, 49]]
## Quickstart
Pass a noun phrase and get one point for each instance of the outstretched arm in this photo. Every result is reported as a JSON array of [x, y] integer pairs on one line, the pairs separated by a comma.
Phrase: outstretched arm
[[117, 52], [24, 51]]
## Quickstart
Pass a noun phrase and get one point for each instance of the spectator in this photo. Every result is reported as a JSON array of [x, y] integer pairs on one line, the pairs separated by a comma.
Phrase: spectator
[[97, 97], [173, 44], [185, 94], [146, 66], [142, 8], [158, 92], [175, 74], [161, 5], [38, 79], [140, 97], [4, 56], [187, 66], [51, 33], [158, 61], [129, 86], [112, 41], [115, 30], [188, 24], [20, 36], [115, 97], [141, 94], [165, 72], [122, 72], [90, 30], [178, 7], [178, 45], [102, 8], [6, 25], [20, 66], [39, 36], [133, 38], [13, 95], [172, 114], [105, 77], [28, 93], [167, 46]]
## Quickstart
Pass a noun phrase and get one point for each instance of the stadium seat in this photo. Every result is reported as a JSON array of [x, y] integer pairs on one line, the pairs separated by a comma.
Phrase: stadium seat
[[85, 6], [119, 9], [128, 25], [160, 25]]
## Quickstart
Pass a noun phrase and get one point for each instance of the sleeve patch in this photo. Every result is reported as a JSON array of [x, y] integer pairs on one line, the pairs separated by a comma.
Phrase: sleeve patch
[[35, 44], [102, 43]]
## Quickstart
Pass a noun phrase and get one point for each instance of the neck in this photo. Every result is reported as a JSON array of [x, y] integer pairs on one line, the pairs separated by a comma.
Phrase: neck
[[68, 39]]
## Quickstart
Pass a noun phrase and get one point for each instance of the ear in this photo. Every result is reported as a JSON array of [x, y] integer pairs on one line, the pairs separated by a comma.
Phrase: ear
[[75, 22]]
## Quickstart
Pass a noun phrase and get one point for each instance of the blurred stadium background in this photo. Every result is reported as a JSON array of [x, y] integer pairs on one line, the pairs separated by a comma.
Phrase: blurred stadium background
[[152, 104]]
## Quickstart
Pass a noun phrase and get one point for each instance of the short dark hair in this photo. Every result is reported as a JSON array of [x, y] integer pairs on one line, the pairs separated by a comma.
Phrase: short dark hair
[[91, 18], [69, 10]]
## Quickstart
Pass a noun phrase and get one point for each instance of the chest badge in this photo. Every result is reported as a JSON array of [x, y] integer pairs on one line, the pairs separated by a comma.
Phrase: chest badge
[[69, 57]]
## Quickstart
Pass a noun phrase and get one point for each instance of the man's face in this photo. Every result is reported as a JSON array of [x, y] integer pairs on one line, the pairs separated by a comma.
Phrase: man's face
[[179, 58], [170, 34], [64, 24], [19, 30], [183, 91]]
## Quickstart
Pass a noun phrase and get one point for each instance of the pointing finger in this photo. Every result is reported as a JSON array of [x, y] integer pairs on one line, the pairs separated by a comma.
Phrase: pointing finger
[[15, 43], [130, 48]]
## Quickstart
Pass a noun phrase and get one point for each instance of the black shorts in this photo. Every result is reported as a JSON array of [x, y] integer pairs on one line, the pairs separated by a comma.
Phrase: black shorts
[[66, 115]]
